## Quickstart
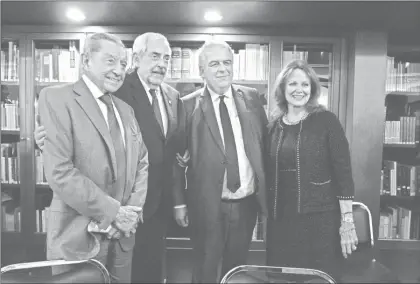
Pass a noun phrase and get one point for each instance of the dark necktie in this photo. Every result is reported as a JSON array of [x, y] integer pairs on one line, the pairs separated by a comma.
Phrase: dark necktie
[[232, 167], [117, 141], [156, 110]]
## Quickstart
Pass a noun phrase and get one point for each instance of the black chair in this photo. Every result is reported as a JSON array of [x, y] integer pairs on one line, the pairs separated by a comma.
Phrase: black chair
[[271, 274], [361, 266], [85, 271]]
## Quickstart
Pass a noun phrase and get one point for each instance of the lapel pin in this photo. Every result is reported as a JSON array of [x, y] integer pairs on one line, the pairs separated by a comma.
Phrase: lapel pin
[[170, 102]]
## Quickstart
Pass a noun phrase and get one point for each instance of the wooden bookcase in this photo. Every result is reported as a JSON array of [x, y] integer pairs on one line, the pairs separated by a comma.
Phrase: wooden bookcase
[[399, 224], [326, 54]]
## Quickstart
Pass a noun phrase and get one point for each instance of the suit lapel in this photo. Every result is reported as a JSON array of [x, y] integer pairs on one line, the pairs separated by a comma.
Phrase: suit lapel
[[140, 96], [88, 103], [127, 124], [171, 110], [246, 118], [210, 117]]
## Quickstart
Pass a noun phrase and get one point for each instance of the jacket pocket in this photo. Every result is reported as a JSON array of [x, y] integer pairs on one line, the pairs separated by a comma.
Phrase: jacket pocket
[[319, 196]]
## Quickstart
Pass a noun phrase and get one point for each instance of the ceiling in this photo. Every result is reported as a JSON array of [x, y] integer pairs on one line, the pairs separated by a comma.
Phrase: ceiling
[[394, 16]]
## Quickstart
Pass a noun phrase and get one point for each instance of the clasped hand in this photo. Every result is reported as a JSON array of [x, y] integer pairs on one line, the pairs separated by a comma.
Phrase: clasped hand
[[126, 221], [349, 239]]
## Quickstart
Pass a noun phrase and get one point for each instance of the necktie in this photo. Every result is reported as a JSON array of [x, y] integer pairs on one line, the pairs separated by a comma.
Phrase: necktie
[[232, 167], [156, 110], [117, 141]]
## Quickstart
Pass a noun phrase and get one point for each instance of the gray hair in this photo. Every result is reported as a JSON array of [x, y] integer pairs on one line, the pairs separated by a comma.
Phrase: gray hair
[[92, 43], [140, 43], [208, 44]]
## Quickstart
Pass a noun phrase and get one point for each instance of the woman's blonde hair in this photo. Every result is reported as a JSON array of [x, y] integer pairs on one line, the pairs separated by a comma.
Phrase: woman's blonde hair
[[280, 85]]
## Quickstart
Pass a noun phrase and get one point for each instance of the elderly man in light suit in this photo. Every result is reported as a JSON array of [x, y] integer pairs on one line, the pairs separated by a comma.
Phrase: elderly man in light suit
[[95, 162], [225, 132]]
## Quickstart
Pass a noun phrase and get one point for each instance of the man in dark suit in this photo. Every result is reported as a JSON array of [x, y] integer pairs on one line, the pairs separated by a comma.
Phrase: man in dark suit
[[225, 129], [156, 107]]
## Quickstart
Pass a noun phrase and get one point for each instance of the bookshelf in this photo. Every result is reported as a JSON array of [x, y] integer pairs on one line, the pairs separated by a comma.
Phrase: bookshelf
[[53, 58], [399, 221], [11, 200]]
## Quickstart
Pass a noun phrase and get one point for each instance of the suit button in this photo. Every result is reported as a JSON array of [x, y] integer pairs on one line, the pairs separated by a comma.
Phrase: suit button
[[224, 162], [237, 185]]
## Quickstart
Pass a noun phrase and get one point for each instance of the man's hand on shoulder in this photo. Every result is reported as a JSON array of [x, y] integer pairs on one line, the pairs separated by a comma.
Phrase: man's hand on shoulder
[[39, 133]]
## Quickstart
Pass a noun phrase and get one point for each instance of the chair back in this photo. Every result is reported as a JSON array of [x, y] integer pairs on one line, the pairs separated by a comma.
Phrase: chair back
[[85, 271], [363, 222], [271, 274]]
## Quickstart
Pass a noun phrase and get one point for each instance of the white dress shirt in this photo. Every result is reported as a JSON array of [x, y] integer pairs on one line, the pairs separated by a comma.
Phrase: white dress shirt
[[97, 94], [246, 173], [161, 104]]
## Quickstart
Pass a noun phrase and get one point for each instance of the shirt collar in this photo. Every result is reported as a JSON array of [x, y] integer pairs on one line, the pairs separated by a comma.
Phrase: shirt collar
[[96, 92], [215, 96], [146, 87]]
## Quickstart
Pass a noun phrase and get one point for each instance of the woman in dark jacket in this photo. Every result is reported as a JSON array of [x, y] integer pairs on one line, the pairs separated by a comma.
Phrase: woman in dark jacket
[[310, 179]]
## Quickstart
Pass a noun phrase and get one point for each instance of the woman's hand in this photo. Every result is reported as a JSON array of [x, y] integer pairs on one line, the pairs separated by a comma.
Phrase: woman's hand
[[348, 238], [183, 160]]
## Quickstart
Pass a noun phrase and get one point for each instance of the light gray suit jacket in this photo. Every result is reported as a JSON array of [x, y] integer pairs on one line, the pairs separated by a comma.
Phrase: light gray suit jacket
[[80, 163]]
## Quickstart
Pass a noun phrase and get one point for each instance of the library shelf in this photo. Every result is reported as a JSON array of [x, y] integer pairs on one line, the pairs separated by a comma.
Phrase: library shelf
[[42, 186], [399, 145], [10, 83], [10, 186], [403, 93], [10, 136], [392, 198], [399, 244], [45, 84]]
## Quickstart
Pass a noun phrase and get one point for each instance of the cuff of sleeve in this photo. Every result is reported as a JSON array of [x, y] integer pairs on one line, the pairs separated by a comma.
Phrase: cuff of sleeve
[[111, 213], [180, 206], [345, 197]]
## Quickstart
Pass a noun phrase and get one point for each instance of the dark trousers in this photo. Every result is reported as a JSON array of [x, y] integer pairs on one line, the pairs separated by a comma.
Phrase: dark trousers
[[228, 239], [148, 256]]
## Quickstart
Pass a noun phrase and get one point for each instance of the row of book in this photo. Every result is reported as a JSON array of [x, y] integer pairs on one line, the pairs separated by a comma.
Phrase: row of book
[[314, 58], [41, 216], [10, 219], [399, 179], [9, 171], [9, 62], [397, 222], [402, 76], [250, 63], [57, 64], [9, 116], [39, 168], [404, 131]]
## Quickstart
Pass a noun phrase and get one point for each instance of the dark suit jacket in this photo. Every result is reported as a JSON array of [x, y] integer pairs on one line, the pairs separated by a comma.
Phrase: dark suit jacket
[[161, 150], [206, 170]]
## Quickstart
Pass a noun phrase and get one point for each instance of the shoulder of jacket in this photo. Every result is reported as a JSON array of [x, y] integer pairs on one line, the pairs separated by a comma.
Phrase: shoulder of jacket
[[169, 90], [245, 89]]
